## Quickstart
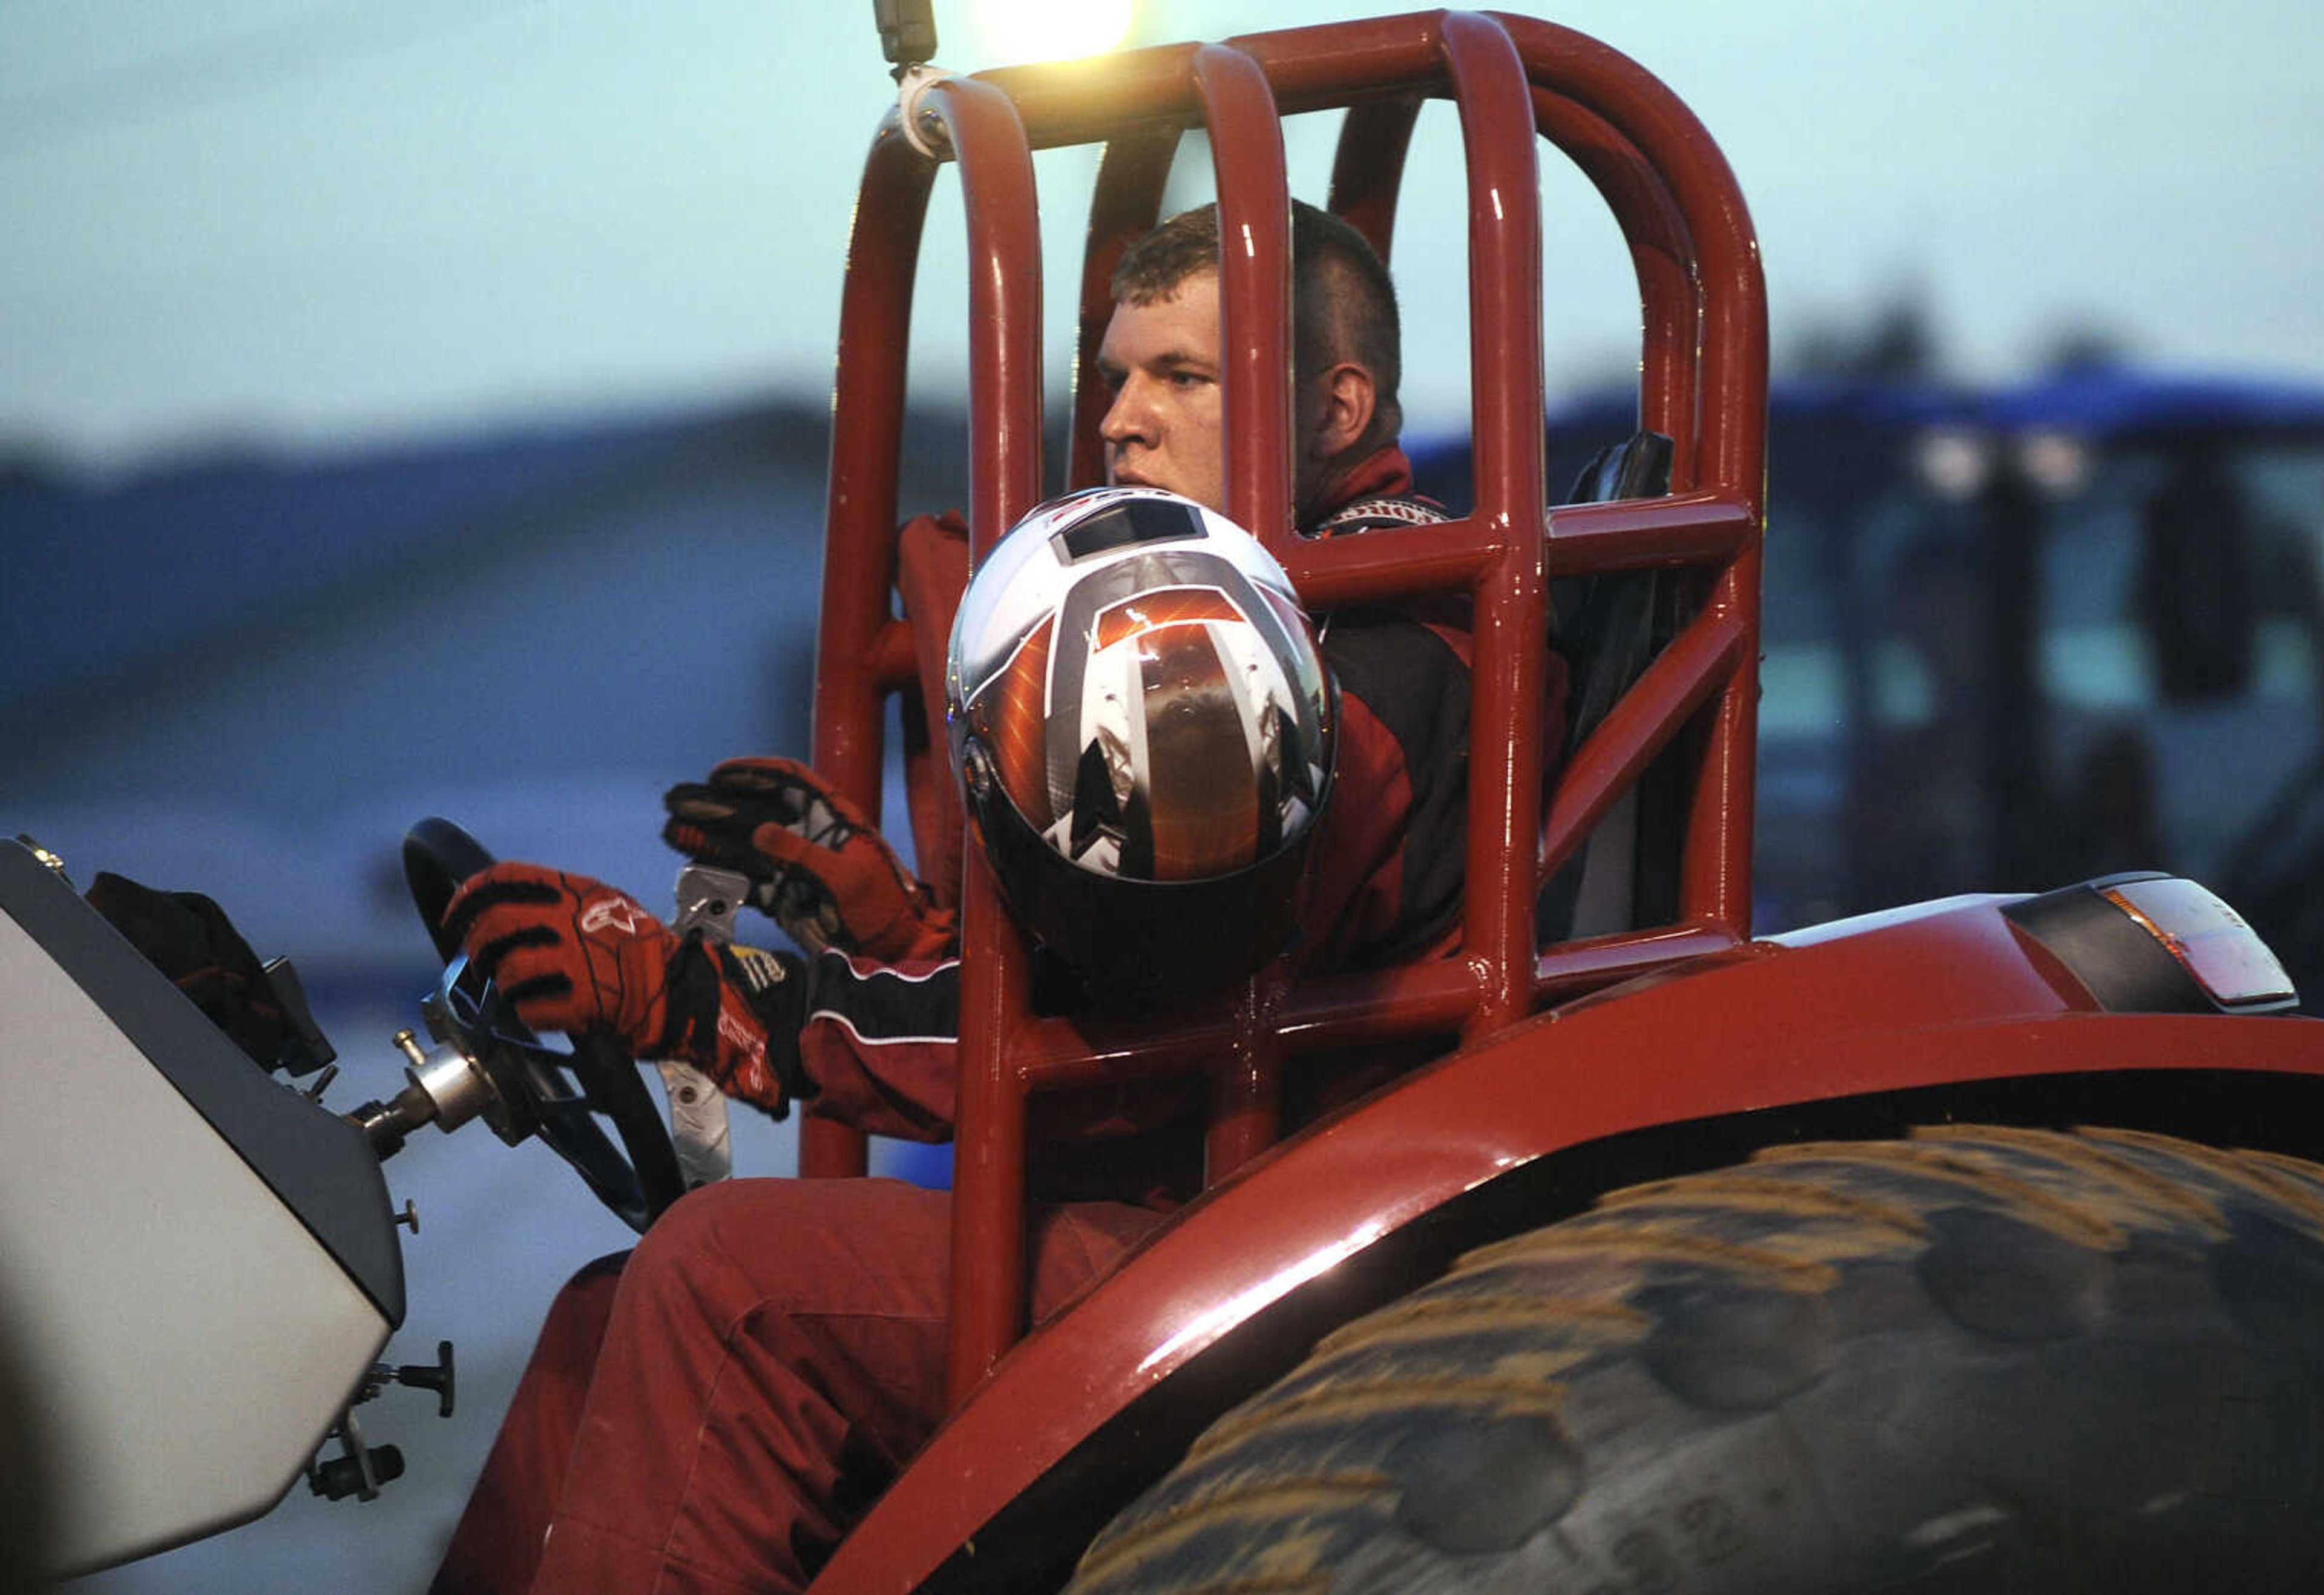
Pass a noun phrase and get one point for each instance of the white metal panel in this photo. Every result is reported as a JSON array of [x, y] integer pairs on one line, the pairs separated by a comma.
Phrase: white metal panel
[[188, 1342]]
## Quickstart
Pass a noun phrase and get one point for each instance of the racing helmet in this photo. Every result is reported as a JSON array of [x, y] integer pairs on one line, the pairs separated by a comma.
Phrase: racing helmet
[[1143, 730]]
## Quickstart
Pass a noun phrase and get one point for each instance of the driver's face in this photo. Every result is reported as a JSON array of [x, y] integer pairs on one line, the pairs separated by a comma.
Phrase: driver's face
[[1160, 363]]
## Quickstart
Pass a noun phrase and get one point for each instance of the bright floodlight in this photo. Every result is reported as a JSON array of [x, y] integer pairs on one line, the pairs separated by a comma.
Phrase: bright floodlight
[[1052, 29]]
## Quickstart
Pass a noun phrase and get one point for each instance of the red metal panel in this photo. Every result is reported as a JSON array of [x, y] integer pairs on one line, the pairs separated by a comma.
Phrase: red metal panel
[[1875, 1013]]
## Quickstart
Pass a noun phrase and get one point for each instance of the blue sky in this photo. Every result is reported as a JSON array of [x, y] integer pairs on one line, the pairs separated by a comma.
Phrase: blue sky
[[329, 223]]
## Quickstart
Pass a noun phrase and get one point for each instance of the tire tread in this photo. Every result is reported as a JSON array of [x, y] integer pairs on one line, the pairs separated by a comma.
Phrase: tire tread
[[1673, 1317]]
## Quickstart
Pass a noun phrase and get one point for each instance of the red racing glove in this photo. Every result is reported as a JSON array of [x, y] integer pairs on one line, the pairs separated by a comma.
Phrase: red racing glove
[[820, 871], [574, 955]]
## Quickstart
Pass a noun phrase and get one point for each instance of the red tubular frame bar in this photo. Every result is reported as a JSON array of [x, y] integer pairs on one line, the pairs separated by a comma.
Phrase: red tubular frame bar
[[1703, 382]]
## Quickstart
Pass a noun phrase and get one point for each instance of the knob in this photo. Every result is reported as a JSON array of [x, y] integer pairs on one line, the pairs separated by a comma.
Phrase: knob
[[345, 1476], [437, 1378]]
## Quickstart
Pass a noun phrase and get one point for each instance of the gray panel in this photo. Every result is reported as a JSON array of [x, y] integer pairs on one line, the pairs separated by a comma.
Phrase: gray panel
[[190, 1339], [319, 1165]]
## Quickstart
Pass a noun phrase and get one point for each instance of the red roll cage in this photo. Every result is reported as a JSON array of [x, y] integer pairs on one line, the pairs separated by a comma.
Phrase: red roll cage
[[1703, 383]]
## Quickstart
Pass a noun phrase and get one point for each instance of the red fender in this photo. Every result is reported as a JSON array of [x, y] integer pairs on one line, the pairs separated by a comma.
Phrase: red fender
[[1941, 994]]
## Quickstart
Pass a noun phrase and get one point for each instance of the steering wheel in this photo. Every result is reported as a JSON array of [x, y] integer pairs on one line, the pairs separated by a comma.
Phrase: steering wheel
[[558, 1095]]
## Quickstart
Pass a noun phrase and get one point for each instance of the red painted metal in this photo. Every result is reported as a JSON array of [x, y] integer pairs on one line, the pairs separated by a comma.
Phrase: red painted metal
[[1368, 167], [1683, 676], [1660, 254], [861, 513], [1004, 305], [1874, 1012], [1255, 346], [1703, 356], [1125, 201], [1510, 629], [1004, 411], [1254, 289], [987, 1209], [1246, 1097]]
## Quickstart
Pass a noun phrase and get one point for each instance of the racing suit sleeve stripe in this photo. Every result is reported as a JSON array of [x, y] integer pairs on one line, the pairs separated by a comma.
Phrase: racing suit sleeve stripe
[[879, 1043]]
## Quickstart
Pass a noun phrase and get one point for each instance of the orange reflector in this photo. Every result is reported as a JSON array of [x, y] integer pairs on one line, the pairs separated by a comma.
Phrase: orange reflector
[[2210, 940]]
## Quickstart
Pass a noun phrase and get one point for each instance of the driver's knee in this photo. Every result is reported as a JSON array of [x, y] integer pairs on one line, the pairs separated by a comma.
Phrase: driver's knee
[[577, 1312], [872, 1246]]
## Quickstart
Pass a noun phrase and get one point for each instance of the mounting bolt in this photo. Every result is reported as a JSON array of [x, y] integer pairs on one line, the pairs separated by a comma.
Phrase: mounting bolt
[[55, 865]]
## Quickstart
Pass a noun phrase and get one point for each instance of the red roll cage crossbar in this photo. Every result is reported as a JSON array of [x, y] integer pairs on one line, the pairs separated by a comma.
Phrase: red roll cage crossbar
[[1703, 383]]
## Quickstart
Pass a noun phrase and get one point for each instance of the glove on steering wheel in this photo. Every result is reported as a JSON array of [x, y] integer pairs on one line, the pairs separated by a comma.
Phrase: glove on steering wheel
[[820, 870], [575, 954]]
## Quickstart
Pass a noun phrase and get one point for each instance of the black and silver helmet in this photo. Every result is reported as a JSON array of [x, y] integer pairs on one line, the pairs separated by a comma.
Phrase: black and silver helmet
[[1144, 732]]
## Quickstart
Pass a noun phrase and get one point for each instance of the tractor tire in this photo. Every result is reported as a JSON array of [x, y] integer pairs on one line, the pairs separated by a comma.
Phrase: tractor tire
[[1989, 1360]]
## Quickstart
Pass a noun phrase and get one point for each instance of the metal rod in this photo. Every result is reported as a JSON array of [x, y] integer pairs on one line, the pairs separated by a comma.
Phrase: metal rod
[[859, 515], [1510, 629], [1004, 307]]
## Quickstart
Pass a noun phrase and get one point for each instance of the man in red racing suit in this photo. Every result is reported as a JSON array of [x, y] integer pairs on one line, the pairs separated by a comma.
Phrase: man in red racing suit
[[714, 1411]]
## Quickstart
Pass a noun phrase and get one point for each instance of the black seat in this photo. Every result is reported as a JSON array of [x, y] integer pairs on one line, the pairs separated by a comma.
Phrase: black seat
[[1608, 628]]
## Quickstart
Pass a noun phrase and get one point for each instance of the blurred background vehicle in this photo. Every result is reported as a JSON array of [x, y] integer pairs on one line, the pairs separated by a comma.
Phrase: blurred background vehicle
[[2031, 633]]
